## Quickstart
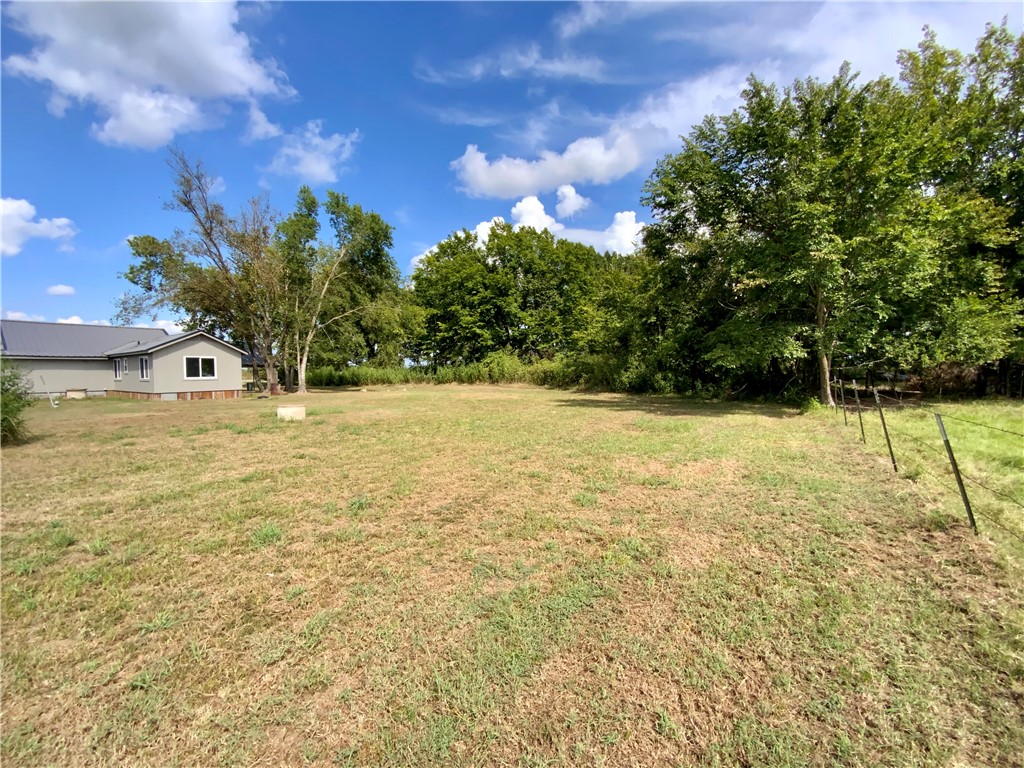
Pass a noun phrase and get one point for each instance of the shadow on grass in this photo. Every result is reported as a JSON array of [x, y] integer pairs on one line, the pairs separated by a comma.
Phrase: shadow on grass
[[668, 405]]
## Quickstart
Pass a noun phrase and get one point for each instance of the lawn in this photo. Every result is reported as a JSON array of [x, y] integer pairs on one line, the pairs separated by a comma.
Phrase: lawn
[[474, 575]]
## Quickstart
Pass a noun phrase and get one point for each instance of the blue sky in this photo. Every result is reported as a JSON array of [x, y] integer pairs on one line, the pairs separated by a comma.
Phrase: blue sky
[[439, 116]]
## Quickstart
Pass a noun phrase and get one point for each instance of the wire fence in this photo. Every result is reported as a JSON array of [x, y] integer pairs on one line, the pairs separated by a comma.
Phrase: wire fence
[[933, 453]]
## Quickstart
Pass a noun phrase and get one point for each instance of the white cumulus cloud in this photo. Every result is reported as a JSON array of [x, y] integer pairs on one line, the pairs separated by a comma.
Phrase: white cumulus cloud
[[570, 202], [483, 229], [313, 157], [529, 212], [149, 70], [259, 126], [18, 223], [595, 159], [61, 290], [76, 320], [622, 236], [15, 315]]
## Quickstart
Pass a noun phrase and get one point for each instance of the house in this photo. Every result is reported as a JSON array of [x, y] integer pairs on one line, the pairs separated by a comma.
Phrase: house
[[141, 363]]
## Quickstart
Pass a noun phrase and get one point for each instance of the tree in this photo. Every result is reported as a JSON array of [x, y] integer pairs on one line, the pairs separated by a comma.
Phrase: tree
[[522, 292], [815, 222], [329, 283], [222, 272], [271, 286]]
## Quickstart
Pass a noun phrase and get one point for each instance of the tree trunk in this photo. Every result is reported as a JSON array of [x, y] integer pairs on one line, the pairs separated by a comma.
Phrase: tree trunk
[[303, 359], [825, 374], [824, 364]]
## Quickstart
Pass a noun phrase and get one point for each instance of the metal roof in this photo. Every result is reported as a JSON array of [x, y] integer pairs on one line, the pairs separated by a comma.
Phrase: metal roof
[[25, 338], [142, 347]]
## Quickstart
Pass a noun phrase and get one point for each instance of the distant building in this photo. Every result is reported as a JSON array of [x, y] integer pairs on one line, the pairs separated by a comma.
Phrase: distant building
[[143, 363]]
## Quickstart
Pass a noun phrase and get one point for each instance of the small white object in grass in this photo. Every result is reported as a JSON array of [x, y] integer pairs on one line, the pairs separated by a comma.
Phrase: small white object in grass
[[291, 412]]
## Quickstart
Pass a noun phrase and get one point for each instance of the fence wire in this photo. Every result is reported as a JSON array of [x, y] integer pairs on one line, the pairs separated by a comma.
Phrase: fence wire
[[916, 463]]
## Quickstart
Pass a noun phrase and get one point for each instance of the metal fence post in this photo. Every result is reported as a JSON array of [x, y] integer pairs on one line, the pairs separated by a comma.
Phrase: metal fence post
[[956, 473], [885, 430], [860, 418]]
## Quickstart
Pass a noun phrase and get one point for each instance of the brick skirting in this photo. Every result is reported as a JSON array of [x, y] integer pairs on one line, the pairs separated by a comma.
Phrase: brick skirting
[[217, 394]]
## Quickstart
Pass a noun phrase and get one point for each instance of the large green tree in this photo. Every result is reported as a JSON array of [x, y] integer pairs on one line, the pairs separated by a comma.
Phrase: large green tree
[[522, 291], [270, 284], [813, 223], [221, 272]]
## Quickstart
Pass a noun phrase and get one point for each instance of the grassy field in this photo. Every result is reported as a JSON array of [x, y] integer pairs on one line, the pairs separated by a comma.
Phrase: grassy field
[[493, 576]]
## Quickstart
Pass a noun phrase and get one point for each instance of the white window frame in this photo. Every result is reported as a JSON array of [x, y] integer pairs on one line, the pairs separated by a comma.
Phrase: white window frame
[[200, 358], [144, 368], [118, 369]]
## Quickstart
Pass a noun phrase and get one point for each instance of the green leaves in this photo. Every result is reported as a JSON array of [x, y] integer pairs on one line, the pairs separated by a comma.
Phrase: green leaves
[[833, 217]]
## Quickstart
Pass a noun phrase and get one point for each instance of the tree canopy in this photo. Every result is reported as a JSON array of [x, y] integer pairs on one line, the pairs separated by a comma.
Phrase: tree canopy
[[822, 226]]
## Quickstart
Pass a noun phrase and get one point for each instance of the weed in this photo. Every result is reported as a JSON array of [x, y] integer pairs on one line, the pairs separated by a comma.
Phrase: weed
[[359, 504], [163, 620], [666, 727], [265, 535], [29, 565], [98, 547], [313, 632], [61, 538]]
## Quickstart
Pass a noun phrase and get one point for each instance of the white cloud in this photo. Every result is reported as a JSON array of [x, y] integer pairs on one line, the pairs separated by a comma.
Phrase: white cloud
[[168, 325], [590, 14], [150, 70], [529, 212], [15, 315], [18, 224], [218, 186], [483, 229], [314, 158], [582, 17], [570, 202], [516, 62], [420, 257], [61, 290], [598, 160], [76, 320], [259, 126], [777, 42], [868, 35], [622, 236], [458, 116]]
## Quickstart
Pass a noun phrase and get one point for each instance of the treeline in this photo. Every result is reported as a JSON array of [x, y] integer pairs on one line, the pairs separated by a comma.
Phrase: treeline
[[824, 228]]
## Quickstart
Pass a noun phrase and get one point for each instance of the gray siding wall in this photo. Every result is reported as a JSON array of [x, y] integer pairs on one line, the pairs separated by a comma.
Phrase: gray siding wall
[[130, 380], [168, 367], [97, 376]]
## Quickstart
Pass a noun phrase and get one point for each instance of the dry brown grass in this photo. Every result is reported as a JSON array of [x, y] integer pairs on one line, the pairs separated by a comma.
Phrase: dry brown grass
[[489, 576]]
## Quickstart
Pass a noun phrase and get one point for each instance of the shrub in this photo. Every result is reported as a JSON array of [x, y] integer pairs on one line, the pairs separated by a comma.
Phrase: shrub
[[505, 368], [15, 397]]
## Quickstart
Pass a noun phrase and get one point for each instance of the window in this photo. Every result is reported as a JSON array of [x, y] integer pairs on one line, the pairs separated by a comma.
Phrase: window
[[118, 369], [200, 368], [144, 368]]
